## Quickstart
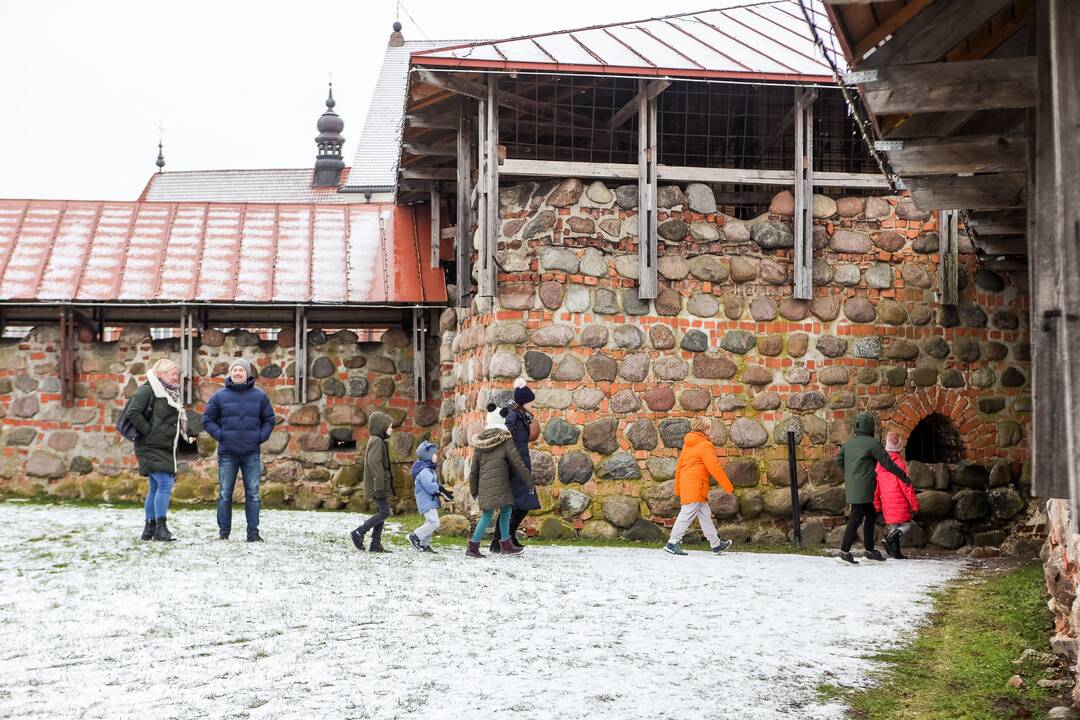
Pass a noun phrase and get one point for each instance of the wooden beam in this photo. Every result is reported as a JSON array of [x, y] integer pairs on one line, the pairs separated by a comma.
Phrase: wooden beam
[[436, 223], [934, 31], [426, 148], [1013, 246], [948, 277], [804, 195], [488, 192], [463, 245], [888, 26], [429, 173], [473, 89], [998, 222], [946, 87], [675, 173], [432, 122], [650, 91], [647, 186], [976, 192], [960, 154]]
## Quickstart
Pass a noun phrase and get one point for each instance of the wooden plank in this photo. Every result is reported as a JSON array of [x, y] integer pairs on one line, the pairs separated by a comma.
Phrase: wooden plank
[[674, 173], [427, 148], [651, 90], [977, 192], [647, 185], [804, 196], [961, 154], [436, 223], [464, 209], [934, 31], [476, 90], [428, 173], [888, 26], [432, 122], [946, 87], [488, 191], [948, 277], [1010, 246], [1064, 50]]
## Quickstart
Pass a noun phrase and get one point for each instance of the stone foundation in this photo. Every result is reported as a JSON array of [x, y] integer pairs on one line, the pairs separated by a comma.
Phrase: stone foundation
[[50, 450], [617, 378], [1061, 567]]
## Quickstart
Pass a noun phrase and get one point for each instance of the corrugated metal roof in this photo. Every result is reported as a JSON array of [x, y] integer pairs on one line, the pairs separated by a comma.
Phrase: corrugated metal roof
[[261, 185], [764, 40], [136, 252], [376, 158]]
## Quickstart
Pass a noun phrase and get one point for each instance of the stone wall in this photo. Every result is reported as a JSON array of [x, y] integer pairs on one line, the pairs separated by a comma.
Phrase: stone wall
[[49, 450], [617, 379], [1061, 567]]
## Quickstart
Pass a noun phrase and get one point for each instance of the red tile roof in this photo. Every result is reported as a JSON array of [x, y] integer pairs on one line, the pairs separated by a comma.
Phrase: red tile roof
[[754, 40], [366, 254], [282, 185]]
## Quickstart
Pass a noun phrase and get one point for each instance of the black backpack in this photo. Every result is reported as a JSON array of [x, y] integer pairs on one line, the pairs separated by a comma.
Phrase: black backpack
[[124, 426]]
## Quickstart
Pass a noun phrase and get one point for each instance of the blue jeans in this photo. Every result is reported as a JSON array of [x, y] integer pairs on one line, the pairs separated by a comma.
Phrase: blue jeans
[[485, 520], [251, 467], [157, 497]]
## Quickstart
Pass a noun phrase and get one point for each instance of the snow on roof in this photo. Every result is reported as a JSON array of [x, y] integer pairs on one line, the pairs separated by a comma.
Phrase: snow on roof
[[762, 40], [375, 162], [365, 254], [261, 185]]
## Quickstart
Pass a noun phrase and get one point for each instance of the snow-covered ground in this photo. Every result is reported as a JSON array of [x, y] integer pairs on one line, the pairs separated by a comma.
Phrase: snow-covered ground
[[96, 624]]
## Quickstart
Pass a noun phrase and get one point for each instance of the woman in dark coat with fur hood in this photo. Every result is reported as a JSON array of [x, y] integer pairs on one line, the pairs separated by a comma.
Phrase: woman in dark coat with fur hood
[[494, 455], [518, 422]]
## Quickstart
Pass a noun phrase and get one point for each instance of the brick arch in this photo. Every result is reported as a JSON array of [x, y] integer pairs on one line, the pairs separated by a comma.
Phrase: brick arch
[[957, 405]]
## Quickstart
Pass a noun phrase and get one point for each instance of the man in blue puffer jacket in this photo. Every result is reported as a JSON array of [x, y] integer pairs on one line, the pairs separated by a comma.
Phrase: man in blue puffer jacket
[[241, 418]]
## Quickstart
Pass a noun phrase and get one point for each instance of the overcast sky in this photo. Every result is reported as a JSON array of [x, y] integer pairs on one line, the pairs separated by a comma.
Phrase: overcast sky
[[237, 83]]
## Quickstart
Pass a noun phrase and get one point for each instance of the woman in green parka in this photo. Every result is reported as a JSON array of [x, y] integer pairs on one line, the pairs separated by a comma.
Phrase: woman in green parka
[[156, 412]]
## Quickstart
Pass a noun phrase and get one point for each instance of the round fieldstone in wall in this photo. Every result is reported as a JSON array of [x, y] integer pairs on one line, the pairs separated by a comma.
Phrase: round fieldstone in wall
[[770, 345], [833, 375], [695, 341], [743, 270], [848, 207], [889, 240], [642, 435], [578, 299], [794, 310], [766, 401], [822, 206], [774, 273], [660, 398], [634, 368], [924, 376], [842, 400], [900, 349], [892, 312], [673, 267], [704, 232], [709, 269], [737, 341], [516, 296], [670, 196], [593, 262], [559, 259], [906, 210], [540, 224], [605, 302], [661, 337], [850, 241], [325, 367], [936, 347], [384, 386], [26, 406], [783, 203], [879, 276], [994, 350], [537, 365], [797, 375], [825, 307], [670, 368], [553, 336], [620, 466], [772, 235], [559, 432], [983, 378], [952, 378], [831, 346], [972, 316], [920, 315], [1005, 320], [551, 294], [989, 280], [703, 305], [673, 231], [668, 302], [568, 368], [735, 231], [332, 387], [926, 243], [627, 196], [762, 309], [673, 430], [506, 333], [1012, 378], [747, 433], [594, 336], [566, 193], [601, 367], [612, 227], [803, 401], [503, 364], [599, 435], [915, 275], [868, 347], [859, 310], [700, 198], [756, 375], [632, 304], [575, 467], [628, 337], [695, 399], [543, 467], [846, 274], [358, 387], [581, 226], [713, 367], [624, 401], [798, 343], [733, 306]]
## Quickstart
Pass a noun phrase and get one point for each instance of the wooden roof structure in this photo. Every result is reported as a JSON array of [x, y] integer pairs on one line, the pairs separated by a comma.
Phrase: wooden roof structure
[[977, 106]]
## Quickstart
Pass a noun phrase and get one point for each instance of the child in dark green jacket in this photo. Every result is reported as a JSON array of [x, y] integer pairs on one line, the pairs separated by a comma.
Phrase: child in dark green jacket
[[859, 458]]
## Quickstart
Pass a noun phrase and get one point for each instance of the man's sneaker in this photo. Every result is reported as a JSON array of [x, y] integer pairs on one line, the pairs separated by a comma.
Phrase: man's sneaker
[[674, 549], [415, 542], [721, 546], [254, 537], [845, 558], [874, 555], [428, 549], [357, 539]]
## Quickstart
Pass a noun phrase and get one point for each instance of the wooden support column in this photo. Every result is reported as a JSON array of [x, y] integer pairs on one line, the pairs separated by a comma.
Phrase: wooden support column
[[647, 177], [67, 356], [804, 194], [488, 191], [419, 347], [300, 325], [436, 223], [464, 207], [1063, 106], [949, 272], [187, 355]]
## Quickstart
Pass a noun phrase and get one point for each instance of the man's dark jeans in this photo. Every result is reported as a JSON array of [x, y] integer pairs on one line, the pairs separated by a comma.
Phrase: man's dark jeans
[[861, 513], [251, 467], [375, 522]]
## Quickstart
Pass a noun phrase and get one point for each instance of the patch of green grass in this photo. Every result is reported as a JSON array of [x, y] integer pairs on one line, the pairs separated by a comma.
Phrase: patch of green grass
[[959, 664]]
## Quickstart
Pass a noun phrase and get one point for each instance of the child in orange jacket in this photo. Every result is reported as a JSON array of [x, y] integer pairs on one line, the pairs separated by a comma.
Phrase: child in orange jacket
[[697, 462]]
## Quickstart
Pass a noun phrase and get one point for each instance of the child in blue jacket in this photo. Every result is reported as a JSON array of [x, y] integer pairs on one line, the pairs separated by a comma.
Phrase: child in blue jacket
[[427, 489]]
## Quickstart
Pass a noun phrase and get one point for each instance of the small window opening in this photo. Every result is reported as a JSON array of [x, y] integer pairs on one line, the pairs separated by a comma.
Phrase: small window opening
[[935, 440]]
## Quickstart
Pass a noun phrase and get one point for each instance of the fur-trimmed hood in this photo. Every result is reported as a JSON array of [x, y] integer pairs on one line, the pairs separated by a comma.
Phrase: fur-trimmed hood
[[490, 438]]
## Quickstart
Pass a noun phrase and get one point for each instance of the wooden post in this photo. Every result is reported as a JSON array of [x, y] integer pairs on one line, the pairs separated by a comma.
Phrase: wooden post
[[804, 194], [436, 223], [67, 356], [949, 271], [647, 177], [464, 207], [300, 380], [419, 347], [187, 355], [1064, 109], [488, 191]]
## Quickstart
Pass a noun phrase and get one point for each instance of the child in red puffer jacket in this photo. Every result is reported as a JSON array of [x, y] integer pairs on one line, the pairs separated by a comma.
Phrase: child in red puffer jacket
[[894, 499]]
